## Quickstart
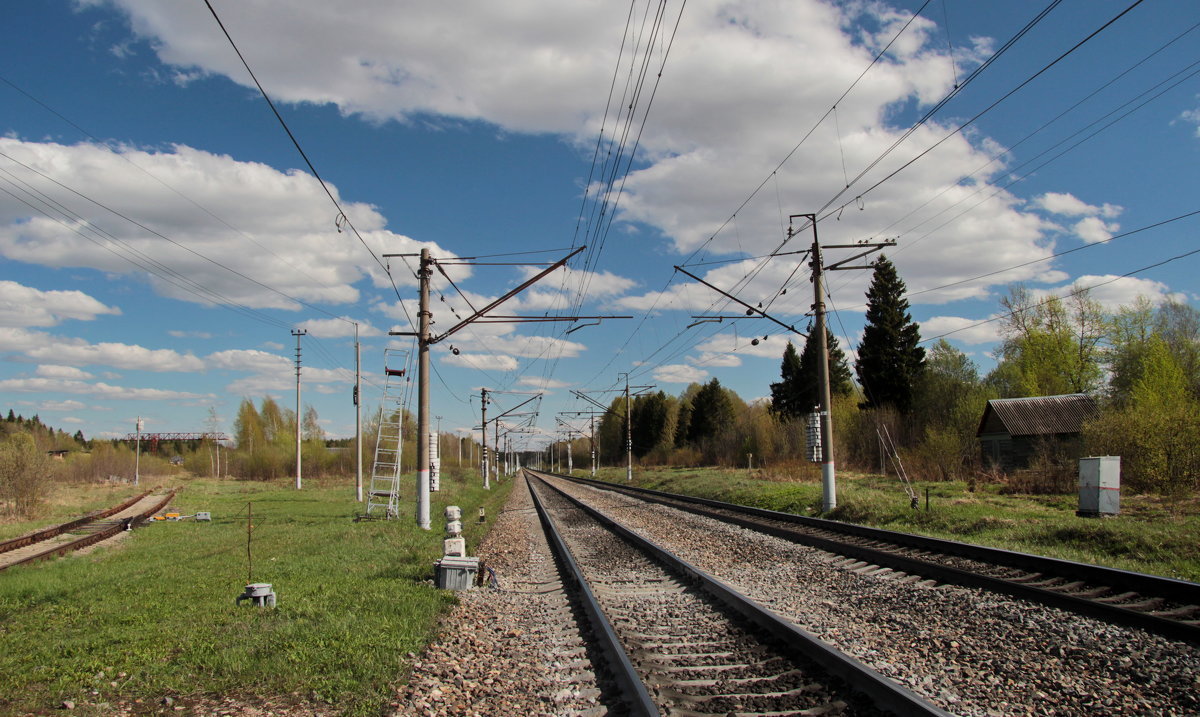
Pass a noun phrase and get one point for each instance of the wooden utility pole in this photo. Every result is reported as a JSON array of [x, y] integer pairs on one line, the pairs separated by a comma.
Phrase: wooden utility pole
[[299, 417]]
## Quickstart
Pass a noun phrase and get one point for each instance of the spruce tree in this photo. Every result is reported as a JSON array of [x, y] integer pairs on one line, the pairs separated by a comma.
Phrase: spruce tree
[[890, 361], [799, 391], [788, 397], [712, 413]]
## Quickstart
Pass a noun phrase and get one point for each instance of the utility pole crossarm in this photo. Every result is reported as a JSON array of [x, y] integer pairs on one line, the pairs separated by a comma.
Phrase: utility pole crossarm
[[870, 249], [530, 282], [751, 310]]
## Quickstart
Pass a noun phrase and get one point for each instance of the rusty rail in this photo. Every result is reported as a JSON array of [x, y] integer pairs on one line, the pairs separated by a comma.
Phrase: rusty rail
[[98, 536], [47, 533]]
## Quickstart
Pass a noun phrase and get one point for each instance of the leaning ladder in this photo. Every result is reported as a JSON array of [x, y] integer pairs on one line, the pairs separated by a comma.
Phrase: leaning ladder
[[383, 499]]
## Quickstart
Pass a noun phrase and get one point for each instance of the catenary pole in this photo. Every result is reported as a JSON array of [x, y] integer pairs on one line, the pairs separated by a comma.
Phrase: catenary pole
[[828, 472], [423, 314], [299, 417], [483, 399], [358, 484]]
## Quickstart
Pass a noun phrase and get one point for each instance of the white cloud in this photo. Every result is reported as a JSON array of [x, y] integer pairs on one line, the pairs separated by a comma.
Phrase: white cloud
[[82, 388], [967, 331], [189, 334], [487, 362], [56, 371], [67, 405], [724, 115], [64, 351], [679, 373], [1192, 116], [1095, 229], [22, 306], [283, 236], [541, 383], [1114, 291]]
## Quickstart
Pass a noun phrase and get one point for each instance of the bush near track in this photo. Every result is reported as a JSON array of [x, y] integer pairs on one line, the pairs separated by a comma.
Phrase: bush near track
[[1153, 534], [154, 617]]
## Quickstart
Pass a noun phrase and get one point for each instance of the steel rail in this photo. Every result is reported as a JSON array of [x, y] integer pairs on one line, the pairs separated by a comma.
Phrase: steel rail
[[94, 538], [886, 694], [54, 530], [633, 690], [1146, 586]]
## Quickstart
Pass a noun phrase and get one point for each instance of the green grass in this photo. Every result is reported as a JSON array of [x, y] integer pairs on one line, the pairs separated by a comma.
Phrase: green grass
[[1151, 535], [354, 599]]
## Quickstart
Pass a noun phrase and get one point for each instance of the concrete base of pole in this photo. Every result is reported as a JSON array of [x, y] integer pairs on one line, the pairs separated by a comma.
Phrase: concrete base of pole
[[828, 488], [423, 499]]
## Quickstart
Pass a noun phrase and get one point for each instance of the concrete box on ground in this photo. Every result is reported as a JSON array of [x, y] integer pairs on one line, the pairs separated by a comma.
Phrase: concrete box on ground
[[456, 573], [1099, 486]]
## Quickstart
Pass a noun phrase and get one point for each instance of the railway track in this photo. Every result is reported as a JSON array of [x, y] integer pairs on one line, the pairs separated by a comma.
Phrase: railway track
[[82, 532], [681, 642], [966, 649], [1161, 605]]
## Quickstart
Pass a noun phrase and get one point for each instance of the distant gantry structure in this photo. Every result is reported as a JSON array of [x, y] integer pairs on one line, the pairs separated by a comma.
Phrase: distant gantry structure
[[155, 438]]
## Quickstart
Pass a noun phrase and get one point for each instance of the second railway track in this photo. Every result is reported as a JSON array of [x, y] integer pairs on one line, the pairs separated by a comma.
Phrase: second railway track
[[970, 651], [695, 647], [81, 533]]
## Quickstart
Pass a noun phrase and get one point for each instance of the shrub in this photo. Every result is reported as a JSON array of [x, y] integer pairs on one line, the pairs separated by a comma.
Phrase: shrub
[[24, 474]]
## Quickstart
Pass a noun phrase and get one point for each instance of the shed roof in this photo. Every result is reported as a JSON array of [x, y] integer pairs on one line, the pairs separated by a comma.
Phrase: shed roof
[[1038, 415]]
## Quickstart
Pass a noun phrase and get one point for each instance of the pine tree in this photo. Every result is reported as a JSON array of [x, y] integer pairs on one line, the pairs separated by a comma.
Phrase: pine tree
[[889, 361]]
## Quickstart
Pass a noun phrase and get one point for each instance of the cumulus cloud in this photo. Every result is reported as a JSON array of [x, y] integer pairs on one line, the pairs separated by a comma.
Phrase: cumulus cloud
[[724, 114], [1095, 229], [283, 235], [958, 328], [487, 362], [99, 389], [1092, 227], [679, 373], [56, 371], [63, 351], [1113, 291], [68, 405], [23, 306]]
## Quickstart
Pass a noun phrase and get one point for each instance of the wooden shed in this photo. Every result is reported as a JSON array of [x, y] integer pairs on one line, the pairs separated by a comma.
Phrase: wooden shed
[[1012, 429]]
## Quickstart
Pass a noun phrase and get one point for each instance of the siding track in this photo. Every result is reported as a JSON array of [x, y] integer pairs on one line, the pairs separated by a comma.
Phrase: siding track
[[81, 533]]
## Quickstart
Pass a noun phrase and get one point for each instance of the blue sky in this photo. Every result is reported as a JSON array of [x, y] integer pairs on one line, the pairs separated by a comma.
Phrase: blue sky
[[160, 236]]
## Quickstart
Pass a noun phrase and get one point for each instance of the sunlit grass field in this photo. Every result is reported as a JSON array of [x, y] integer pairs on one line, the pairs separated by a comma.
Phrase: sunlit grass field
[[155, 613], [1152, 534]]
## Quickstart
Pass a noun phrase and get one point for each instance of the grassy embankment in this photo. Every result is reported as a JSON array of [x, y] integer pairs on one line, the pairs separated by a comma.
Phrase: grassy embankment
[[155, 614], [1152, 534]]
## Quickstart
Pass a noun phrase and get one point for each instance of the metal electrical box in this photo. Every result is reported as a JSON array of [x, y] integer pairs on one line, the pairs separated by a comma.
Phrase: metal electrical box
[[456, 573], [1099, 486]]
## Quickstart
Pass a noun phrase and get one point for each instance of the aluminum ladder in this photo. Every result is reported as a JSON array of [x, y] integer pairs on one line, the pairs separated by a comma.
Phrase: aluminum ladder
[[383, 498]]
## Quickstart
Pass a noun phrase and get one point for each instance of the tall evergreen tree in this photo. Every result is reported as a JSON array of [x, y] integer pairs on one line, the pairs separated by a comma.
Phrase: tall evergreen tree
[[788, 397], [799, 390], [712, 412], [889, 361]]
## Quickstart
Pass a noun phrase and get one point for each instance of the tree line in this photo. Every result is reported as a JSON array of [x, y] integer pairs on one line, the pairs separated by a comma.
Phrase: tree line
[[907, 404]]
